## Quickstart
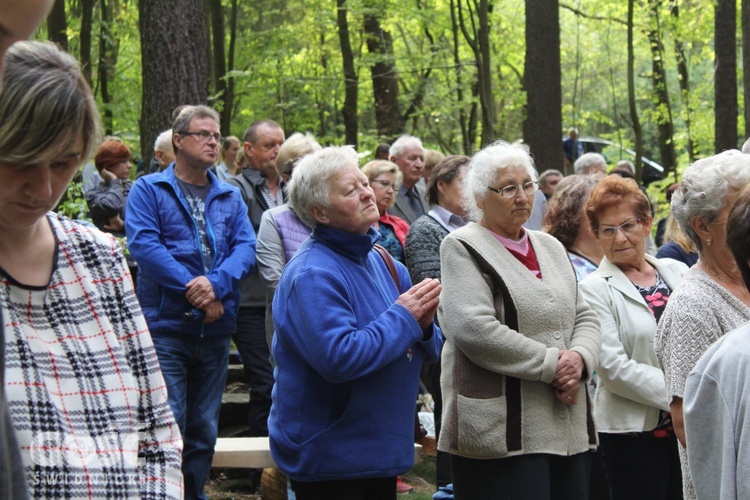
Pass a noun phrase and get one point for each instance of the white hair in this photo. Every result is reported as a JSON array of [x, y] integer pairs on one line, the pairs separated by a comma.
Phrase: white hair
[[746, 147], [309, 185], [588, 160], [704, 188], [163, 141], [484, 167], [398, 146]]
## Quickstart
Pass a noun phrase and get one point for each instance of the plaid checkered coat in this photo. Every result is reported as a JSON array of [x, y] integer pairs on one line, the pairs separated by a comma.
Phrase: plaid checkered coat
[[87, 398]]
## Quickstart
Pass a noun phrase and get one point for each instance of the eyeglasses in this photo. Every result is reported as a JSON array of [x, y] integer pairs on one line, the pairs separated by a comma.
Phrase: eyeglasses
[[512, 191], [386, 184], [204, 136], [630, 226]]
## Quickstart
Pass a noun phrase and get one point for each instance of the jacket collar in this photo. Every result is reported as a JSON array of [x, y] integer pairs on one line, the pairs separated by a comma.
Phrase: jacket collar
[[355, 247], [617, 279], [168, 177]]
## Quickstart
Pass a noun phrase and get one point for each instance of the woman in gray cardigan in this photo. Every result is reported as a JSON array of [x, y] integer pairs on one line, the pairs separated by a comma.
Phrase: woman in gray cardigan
[[520, 344]]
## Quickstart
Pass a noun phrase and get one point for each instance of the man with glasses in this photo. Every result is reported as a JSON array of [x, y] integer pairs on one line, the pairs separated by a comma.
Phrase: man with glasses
[[191, 237]]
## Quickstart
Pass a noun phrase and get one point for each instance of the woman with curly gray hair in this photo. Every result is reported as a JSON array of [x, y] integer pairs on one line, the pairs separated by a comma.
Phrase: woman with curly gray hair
[[520, 344], [712, 298]]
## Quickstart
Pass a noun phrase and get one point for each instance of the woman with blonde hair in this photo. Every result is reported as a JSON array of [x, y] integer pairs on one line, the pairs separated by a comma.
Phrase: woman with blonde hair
[[228, 157], [677, 245]]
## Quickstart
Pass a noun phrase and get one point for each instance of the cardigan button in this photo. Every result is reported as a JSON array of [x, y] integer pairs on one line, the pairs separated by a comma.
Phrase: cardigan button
[[563, 414], [557, 334]]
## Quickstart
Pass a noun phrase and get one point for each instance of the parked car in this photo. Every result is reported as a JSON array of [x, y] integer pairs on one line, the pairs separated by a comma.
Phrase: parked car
[[614, 152]]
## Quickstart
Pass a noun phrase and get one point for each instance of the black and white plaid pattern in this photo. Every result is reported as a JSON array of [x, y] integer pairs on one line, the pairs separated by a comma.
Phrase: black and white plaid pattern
[[85, 392]]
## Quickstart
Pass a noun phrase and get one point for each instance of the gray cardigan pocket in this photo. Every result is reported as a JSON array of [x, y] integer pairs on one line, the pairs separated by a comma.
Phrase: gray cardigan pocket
[[481, 426]]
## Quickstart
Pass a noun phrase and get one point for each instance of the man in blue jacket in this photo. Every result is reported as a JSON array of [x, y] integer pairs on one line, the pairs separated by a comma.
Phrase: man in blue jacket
[[193, 241]]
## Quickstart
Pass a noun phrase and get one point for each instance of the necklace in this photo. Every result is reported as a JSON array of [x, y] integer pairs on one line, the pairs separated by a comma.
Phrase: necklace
[[741, 289]]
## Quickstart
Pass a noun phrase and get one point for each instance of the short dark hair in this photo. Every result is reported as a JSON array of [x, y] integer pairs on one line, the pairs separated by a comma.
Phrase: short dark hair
[[564, 215], [111, 153], [251, 132], [738, 233], [445, 171], [616, 190]]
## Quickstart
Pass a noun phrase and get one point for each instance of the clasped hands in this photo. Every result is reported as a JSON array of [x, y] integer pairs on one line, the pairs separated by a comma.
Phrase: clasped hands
[[200, 293], [422, 301], [568, 376]]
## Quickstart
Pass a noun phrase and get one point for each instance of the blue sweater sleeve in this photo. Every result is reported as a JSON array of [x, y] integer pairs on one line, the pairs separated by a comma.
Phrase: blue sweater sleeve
[[142, 230], [317, 318], [240, 262], [432, 345]]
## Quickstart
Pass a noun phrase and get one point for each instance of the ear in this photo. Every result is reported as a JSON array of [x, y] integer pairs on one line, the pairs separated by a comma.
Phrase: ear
[[647, 226], [700, 226], [480, 202], [441, 186], [177, 139], [248, 148], [319, 213]]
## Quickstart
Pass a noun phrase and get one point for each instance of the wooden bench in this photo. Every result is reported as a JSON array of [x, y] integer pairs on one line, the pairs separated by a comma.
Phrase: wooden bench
[[254, 453]]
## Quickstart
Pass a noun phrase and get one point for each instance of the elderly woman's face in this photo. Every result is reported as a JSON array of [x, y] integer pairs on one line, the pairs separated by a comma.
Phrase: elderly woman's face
[[351, 207], [622, 234], [384, 187], [502, 215]]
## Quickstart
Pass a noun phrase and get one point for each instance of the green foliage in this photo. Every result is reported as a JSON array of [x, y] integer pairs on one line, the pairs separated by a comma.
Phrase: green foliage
[[73, 204]]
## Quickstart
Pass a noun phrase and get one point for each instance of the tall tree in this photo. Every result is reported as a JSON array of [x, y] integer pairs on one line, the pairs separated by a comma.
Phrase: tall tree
[[174, 41], [634, 119], [108, 48], [351, 84], [542, 128], [87, 21], [725, 93], [661, 100], [228, 111], [746, 63], [383, 71], [468, 124], [219, 58], [684, 78], [57, 25]]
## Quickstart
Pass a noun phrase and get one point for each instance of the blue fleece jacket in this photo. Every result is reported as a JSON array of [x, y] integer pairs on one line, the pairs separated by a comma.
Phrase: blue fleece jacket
[[163, 237], [348, 360]]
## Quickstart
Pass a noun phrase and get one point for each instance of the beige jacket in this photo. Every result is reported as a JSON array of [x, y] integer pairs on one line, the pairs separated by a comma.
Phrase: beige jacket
[[504, 330], [631, 387]]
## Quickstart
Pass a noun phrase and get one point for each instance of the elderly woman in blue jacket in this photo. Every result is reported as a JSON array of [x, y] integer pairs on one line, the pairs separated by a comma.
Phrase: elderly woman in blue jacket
[[351, 336]]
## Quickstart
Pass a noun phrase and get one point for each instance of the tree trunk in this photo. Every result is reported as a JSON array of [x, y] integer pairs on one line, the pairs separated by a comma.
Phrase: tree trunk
[[635, 121], [725, 89], [174, 41], [351, 85], [384, 77], [57, 25], [665, 126], [107, 61], [219, 58], [227, 112], [682, 70], [746, 64], [485, 73], [466, 140], [542, 128], [87, 21]]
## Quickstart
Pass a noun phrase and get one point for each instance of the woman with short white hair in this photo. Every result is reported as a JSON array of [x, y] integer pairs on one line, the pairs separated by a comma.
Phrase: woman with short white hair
[[520, 344], [713, 298], [351, 336]]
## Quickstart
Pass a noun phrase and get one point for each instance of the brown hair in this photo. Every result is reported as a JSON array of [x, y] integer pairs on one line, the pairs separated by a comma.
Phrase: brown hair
[[614, 190], [111, 153], [738, 233], [563, 217], [445, 171]]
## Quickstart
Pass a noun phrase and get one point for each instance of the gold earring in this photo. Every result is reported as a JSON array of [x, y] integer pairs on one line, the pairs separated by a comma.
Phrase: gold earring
[[708, 242]]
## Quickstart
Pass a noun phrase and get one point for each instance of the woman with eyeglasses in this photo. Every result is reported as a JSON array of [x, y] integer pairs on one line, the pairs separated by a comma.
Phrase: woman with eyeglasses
[[520, 344], [629, 292], [385, 179], [713, 299]]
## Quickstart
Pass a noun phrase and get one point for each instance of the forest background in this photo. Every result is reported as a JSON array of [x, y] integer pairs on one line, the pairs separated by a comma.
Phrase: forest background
[[661, 77]]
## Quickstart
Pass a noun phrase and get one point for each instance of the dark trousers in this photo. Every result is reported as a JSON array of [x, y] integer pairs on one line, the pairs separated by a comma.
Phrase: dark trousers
[[356, 489], [430, 375], [250, 339], [532, 477], [641, 468]]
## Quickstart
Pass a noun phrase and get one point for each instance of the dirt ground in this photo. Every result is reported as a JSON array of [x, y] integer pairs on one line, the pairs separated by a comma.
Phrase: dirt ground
[[236, 484]]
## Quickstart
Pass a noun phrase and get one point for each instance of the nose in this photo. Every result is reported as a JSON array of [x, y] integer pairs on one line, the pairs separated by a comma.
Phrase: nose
[[619, 234], [521, 196], [39, 182]]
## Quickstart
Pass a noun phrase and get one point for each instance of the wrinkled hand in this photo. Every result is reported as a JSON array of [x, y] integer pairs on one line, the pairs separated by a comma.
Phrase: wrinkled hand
[[422, 301], [569, 370], [115, 224], [568, 397], [200, 293], [213, 311]]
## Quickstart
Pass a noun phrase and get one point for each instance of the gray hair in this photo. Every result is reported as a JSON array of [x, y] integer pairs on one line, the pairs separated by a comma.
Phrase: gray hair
[[587, 160], [549, 173], [309, 184], [397, 148], [46, 106], [704, 189], [484, 168], [293, 149], [189, 113], [163, 141], [746, 147]]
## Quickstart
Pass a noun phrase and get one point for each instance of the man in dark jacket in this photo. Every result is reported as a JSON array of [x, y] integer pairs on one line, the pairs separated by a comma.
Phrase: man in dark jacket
[[194, 243], [261, 188]]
